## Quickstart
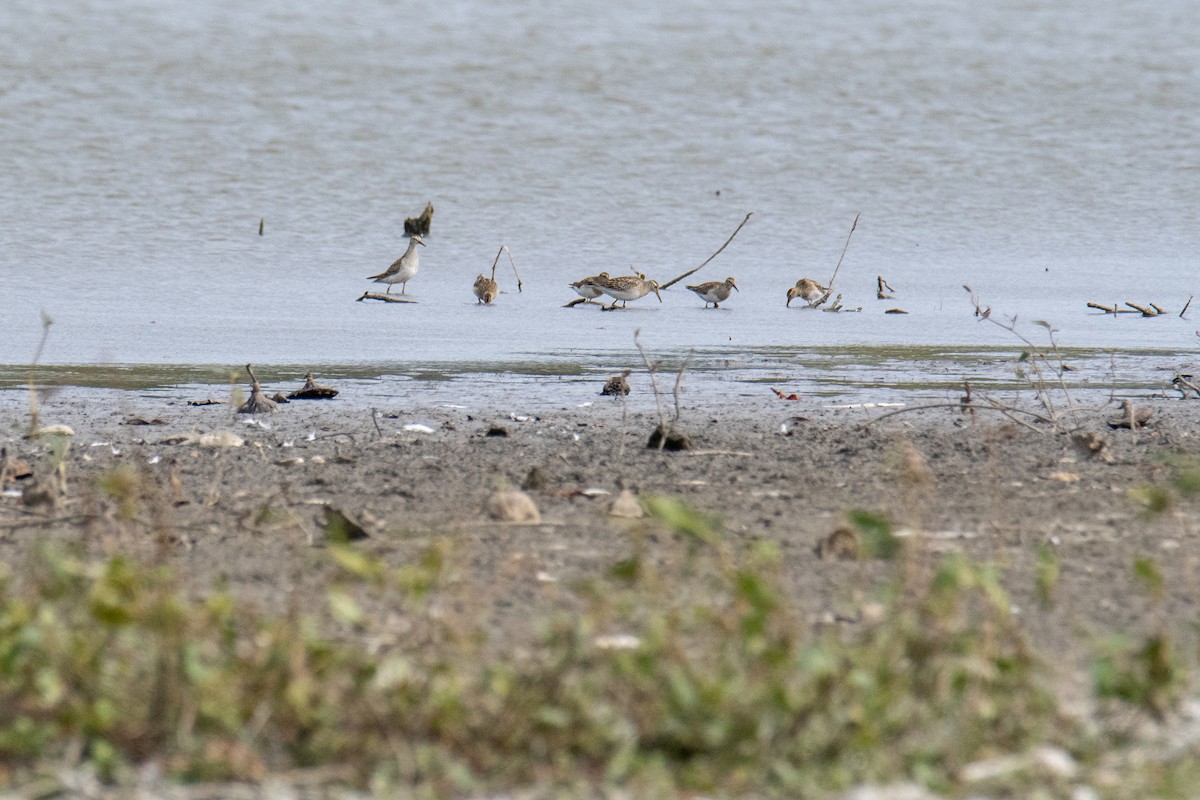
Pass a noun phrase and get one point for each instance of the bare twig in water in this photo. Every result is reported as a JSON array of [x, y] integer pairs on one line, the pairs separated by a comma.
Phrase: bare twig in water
[[1185, 307], [844, 248], [375, 421], [1145, 312], [496, 260], [1113, 309], [514, 266], [710, 258], [387, 298]]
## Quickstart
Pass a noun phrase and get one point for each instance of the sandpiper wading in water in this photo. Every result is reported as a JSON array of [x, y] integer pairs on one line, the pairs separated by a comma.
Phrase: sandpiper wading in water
[[403, 268], [715, 292]]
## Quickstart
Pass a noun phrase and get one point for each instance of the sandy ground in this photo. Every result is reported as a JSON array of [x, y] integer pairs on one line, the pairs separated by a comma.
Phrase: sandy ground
[[776, 470]]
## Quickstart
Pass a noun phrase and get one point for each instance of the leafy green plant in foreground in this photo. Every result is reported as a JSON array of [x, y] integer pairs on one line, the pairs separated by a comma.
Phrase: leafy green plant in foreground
[[707, 678]]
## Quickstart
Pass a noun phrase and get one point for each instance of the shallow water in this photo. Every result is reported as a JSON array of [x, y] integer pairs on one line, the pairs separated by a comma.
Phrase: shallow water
[[1041, 153]]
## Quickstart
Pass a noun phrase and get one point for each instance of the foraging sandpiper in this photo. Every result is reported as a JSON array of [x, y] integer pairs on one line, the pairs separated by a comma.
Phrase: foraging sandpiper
[[806, 289], [589, 288], [715, 292], [486, 290], [403, 268]]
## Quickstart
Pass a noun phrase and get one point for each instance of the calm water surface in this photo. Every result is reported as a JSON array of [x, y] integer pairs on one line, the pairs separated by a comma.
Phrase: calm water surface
[[1046, 154]]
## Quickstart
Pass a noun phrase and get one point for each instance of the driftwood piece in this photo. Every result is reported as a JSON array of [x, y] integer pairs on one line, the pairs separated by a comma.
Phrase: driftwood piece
[[386, 298], [312, 391], [258, 403], [1132, 417], [895, 311], [419, 225], [880, 286], [1145, 312], [1183, 381]]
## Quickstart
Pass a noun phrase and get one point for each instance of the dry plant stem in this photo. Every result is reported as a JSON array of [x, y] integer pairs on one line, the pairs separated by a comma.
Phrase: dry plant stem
[[514, 266], [844, 248], [34, 415], [678, 383], [496, 261], [992, 406], [674, 281], [1039, 359], [662, 417], [1185, 307], [624, 428]]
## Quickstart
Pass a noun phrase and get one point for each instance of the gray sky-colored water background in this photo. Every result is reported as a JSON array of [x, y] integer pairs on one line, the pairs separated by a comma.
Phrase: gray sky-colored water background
[[1046, 154]]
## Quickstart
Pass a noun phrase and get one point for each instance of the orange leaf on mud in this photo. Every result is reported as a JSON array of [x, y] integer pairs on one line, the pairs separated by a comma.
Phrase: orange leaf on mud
[[782, 396]]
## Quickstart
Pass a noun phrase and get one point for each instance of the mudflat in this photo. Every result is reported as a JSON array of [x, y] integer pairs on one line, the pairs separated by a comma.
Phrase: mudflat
[[254, 517]]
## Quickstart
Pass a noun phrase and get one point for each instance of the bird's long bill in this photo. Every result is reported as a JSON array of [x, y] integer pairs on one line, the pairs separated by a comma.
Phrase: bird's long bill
[[421, 242], [735, 288]]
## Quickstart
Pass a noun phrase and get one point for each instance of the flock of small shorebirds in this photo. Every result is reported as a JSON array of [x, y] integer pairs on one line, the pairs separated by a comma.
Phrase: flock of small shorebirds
[[621, 288]]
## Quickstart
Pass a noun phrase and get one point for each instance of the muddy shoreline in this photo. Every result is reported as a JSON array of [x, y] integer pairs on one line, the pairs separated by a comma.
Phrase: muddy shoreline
[[787, 472]]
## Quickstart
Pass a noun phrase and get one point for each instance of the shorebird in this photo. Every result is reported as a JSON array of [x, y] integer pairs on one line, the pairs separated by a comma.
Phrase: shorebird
[[715, 292], [626, 288], [486, 290], [403, 268], [806, 289], [617, 386], [589, 288]]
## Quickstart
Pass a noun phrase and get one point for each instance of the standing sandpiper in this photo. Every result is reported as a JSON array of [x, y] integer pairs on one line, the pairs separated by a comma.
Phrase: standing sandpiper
[[715, 292], [806, 289], [626, 288], [403, 268]]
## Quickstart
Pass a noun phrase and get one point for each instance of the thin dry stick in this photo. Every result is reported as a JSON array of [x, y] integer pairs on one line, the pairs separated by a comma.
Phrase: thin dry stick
[[844, 248], [1185, 307], [662, 417], [514, 266], [34, 416], [1006, 411], [710, 258], [678, 383], [496, 260]]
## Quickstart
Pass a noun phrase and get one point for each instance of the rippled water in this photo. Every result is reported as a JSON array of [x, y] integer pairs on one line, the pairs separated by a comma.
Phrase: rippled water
[[1043, 153]]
